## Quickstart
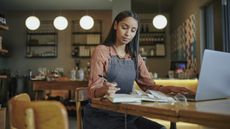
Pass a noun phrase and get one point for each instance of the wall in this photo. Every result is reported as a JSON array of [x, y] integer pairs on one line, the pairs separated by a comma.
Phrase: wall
[[181, 11], [16, 40], [120, 5], [2, 63], [2, 58], [218, 36]]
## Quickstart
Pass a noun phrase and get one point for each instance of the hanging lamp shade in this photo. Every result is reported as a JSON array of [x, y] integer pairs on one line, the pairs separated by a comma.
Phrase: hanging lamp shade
[[32, 23], [60, 23], [86, 22], [160, 21]]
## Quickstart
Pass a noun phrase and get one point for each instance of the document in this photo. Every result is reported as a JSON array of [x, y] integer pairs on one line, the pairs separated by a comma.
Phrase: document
[[124, 98], [149, 95]]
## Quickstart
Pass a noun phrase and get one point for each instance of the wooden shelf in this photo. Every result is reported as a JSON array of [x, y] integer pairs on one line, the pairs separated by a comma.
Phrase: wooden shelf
[[153, 32], [98, 33], [3, 52], [41, 56], [152, 43], [81, 56], [4, 27], [75, 44], [3, 77], [41, 33], [40, 45]]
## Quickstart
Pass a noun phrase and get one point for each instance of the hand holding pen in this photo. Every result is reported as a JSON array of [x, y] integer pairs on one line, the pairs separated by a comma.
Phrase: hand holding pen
[[112, 86]]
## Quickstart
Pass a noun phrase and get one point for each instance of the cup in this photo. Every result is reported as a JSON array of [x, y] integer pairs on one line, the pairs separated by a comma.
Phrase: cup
[[171, 74]]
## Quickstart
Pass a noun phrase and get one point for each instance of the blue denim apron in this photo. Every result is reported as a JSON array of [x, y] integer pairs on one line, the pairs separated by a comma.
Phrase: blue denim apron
[[121, 71]]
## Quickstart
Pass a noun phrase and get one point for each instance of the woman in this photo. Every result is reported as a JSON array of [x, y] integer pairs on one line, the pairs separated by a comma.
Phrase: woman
[[117, 60]]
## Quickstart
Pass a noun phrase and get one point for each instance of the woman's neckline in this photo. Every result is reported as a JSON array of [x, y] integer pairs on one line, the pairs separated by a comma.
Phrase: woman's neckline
[[119, 54]]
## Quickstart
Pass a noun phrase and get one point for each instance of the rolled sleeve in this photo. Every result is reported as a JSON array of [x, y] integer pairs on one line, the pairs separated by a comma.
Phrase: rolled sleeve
[[98, 67]]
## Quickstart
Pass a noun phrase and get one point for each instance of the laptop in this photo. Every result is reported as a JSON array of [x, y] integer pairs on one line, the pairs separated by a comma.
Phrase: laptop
[[214, 79]]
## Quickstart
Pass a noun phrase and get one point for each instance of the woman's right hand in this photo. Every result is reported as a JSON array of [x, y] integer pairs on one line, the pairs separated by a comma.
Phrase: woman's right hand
[[112, 88]]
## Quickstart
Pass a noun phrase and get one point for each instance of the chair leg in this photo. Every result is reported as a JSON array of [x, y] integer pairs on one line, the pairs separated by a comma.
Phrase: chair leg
[[172, 125], [79, 119]]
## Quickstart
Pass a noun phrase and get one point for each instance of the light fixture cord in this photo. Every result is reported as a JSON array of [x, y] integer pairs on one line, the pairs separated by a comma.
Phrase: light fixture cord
[[33, 12], [159, 6], [60, 12]]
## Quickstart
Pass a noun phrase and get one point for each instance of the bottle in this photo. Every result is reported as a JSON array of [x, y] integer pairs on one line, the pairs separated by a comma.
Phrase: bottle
[[155, 75], [30, 73], [80, 73], [147, 28], [73, 74], [152, 52], [142, 28]]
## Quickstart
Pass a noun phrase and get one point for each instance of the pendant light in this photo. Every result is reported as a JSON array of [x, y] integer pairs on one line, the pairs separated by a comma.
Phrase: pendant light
[[32, 23], [60, 23], [160, 21], [86, 22]]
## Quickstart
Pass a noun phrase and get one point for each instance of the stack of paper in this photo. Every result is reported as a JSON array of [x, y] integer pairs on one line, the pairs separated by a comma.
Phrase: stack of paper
[[149, 95], [124, 98]]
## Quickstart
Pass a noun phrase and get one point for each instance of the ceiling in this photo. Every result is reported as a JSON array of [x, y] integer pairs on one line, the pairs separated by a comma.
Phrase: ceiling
[[143, 6], [54, 4], [149, 6]]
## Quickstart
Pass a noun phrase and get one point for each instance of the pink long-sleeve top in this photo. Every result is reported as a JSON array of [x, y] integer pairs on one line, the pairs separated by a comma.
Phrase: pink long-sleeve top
[[99, 66]]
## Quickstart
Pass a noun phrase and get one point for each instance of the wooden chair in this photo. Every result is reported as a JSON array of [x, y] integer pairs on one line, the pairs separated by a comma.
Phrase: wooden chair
[[27, 114], [81, 95]]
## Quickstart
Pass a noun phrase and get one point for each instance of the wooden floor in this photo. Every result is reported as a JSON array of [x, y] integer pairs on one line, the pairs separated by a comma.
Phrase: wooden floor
[[72, 122], [180, 125]]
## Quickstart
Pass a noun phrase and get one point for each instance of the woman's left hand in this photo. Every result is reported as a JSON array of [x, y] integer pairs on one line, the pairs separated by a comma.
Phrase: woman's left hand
[[175, 90]]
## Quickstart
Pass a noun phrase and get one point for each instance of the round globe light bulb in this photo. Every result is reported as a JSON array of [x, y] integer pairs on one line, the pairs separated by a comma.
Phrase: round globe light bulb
[[86, 22], [160, 21], [60, 23], [32, 23]]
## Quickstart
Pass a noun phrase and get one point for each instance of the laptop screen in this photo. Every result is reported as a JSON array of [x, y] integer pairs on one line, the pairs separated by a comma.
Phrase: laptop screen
[[214, 79]]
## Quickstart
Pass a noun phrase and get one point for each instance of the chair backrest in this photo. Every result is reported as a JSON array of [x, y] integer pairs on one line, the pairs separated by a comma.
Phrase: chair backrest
[[27, 114], [81, 94]]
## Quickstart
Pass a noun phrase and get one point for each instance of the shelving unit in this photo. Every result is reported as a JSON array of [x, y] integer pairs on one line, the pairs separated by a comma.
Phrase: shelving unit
[[84, 41], [3, 79], [42, 43], [152, 41], [3, 51]]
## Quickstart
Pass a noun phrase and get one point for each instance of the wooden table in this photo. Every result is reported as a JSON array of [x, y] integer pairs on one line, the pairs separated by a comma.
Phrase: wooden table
[[164, 111], [57, 85], [214, 113]]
